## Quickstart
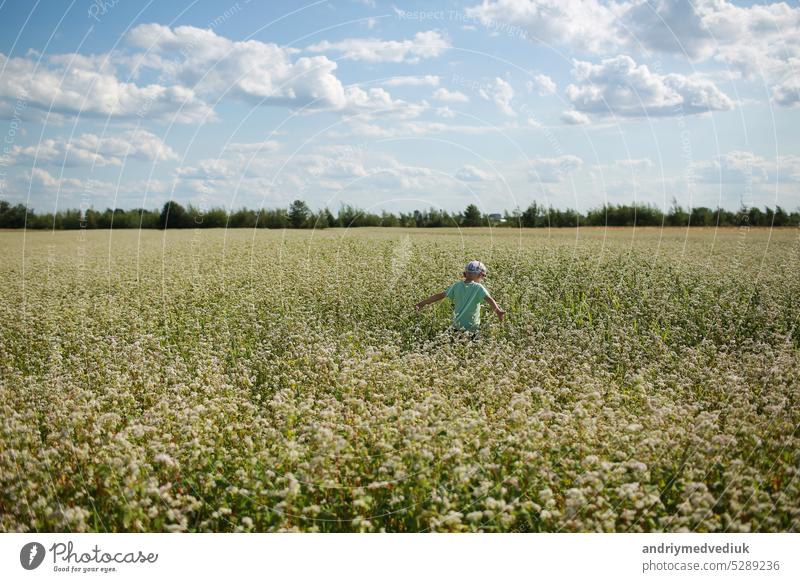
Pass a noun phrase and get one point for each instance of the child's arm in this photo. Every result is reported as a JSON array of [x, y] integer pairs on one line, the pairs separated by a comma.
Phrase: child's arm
[[432, 299], [500, 313]]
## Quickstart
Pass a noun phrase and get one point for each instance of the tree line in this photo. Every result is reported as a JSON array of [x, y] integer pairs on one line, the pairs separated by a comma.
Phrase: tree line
[[299, 215]]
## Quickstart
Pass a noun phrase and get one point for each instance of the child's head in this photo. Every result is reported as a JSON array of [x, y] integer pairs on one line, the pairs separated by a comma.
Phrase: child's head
[[474, 271]]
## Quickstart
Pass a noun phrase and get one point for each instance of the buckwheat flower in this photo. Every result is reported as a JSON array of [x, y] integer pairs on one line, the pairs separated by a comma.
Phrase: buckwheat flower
[[474, 516], [636, 466], [165, 459]]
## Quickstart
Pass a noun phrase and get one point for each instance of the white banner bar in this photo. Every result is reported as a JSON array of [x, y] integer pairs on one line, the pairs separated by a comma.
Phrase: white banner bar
[[405, 557]]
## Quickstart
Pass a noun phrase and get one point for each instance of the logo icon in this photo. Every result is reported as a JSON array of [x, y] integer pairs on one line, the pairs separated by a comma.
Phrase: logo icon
[[31, 555]]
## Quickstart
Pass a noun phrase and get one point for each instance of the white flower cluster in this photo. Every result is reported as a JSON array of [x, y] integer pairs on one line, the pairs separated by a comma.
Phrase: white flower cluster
[[281, 381]]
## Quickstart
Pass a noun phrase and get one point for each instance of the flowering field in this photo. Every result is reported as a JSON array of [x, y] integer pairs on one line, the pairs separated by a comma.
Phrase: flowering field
[[280, 380]]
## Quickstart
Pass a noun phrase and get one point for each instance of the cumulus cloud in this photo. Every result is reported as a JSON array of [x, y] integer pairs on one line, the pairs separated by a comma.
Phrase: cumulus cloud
[[670, 26], [75, 85], [634, 165], [42, 187], [501, 93], [543, 84], [41, 180], [195, 67], [619, 86], [758, 41], [251, 70], [443, 94], [413, 81], [787, 94], [362, 128], [695, 29], [553, 169], [572, 117], [584, 24], [741, 167], [359, 169], [259, 146], [424, 45], [209, 169], [468, 173], [89, 149]]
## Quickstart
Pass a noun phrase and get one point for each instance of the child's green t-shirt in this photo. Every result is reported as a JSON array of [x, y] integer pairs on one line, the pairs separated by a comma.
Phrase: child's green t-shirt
[[467, 299]]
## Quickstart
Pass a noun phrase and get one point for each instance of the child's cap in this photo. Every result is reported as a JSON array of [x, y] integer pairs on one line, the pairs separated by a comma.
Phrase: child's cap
[[475, 267]]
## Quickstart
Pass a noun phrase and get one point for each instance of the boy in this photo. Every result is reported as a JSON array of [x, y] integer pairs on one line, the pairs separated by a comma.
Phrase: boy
[[467, 296]]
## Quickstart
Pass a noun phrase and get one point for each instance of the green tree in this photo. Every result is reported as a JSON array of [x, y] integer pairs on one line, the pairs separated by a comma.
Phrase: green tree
[[781, 217], [531, 216], [173, 215], [298, 214], [677, 216], [472, 216], [328, 218], [12, 216]]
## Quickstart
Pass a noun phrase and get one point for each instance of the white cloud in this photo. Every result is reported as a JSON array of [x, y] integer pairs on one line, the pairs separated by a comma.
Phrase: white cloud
[[400, 176], [759, 41], [621, 87], [500, 93], [251, 70], [208, 169], [469, 173], [43, 181], [670, 26], [424, 45], [553, 169], [195, 67], [543, 84], [740, 167], [443, 94], [361, 128], [413, 81], [259, 146], [90, 149], [787, 94], [71, 85], [695, 29], [355, 168], [139, 144], [573, 117], [583, 24], [634, 165], [53, 152], [41, 178]]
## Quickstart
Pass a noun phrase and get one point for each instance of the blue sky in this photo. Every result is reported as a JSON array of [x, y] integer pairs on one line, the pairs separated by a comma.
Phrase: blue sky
[[395, 106]]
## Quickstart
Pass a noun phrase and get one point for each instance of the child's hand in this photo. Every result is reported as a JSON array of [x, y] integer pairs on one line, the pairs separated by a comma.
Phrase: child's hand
[[432, 299], [500, 314]]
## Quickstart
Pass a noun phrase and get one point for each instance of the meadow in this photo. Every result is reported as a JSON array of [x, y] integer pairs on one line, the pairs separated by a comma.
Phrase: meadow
[[272, 380]]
